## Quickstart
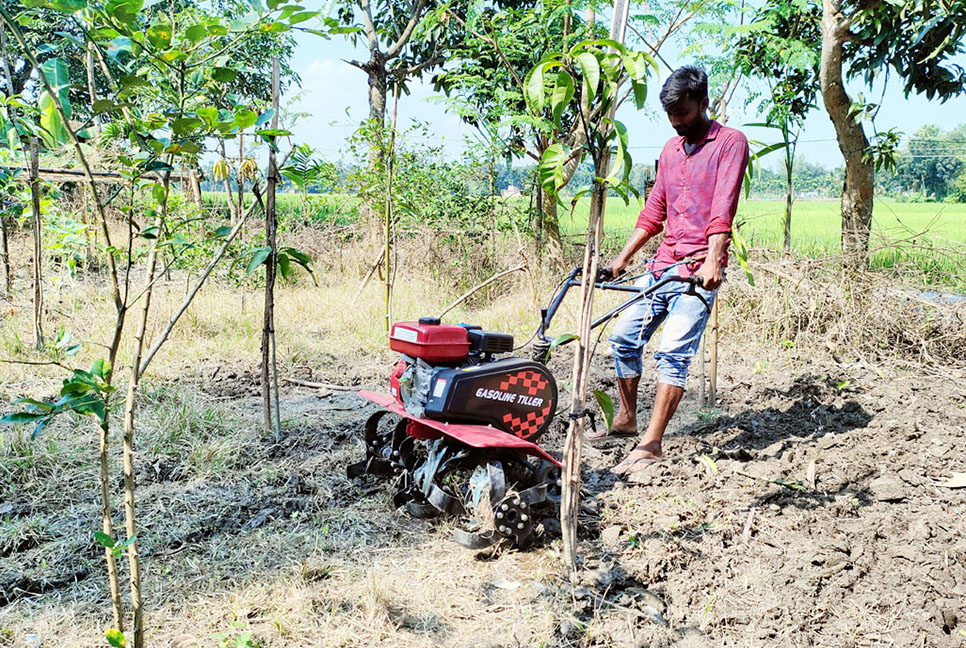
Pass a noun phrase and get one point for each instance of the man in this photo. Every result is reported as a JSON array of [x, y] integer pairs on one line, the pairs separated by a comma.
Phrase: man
[[696, 191]]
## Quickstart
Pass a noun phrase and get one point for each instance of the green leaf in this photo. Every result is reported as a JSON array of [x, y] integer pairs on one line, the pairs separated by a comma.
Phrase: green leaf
[[606, 407], [36, 404], [53, 131], [300, 257], [209, 115], [159, 35], [116, 638], [118, 46], [258, 258], [105, 541], [125, 11], [551, 167], [302, 16], [76, 388], [534, 88], [244, 118], [55, 71], [563, 94], [273, 132], [185, 125], [217, 30], [223, 74], [265, 117], [284, 265], [561, 339], [222, 231], [101, 368], [196, 33], [22, 417], [590, 70]]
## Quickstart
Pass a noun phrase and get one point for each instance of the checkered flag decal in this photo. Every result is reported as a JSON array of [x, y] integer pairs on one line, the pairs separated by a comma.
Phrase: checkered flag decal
[[533, 383]]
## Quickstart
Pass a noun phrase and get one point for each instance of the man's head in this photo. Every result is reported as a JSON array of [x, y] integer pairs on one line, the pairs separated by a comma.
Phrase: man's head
[[685, 99]]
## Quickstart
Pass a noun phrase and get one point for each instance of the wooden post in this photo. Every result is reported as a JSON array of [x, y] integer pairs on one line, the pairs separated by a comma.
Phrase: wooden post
[[38, 248], [713, 391]]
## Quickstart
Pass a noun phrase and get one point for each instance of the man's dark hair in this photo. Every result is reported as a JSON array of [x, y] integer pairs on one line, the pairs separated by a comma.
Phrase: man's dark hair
[[687, 81]]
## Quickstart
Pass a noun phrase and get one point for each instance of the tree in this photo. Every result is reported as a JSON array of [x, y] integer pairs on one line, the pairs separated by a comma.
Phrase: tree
[[864, 39], [786, 64], [930, 162], [590, 78], [487, 90]]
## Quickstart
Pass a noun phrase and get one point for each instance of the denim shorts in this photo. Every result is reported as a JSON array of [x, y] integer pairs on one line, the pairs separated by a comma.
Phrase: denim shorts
[[684, 318]]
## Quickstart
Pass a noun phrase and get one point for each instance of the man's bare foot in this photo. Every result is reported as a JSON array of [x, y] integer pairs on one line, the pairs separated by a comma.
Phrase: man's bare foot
[[625, 422], [642, 455]]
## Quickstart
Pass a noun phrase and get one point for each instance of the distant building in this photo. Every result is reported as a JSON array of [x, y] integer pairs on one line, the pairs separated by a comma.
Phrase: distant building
[[512, 191]]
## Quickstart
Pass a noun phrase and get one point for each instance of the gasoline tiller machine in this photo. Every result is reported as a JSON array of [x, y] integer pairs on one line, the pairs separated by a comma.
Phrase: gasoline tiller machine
[[458, 433]]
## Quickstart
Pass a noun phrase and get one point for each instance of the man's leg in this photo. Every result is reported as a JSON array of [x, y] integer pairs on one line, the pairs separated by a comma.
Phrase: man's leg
[[686, 320], [665, 404], [634, 328], [625, 421]]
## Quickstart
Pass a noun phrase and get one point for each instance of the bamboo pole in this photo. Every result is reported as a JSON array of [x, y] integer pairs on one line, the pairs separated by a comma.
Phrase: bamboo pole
[[713, 390]]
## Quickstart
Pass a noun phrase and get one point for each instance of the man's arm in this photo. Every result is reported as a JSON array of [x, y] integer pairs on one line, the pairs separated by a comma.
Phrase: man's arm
[[710, 271], [634, 243], [649, 222], [724, 204]]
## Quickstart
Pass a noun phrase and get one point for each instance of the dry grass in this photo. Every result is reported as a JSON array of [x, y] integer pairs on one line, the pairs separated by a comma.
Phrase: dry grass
[[245, 535]]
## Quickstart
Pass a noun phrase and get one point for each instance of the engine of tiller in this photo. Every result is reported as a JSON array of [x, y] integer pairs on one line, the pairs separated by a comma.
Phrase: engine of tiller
[[458, 433]]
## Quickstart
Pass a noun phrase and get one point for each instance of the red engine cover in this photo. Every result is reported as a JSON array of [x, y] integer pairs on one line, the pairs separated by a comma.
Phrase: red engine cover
[[431, 342]]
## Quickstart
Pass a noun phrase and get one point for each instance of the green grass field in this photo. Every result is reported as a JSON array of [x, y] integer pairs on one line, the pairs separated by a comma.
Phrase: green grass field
[[931, 236]]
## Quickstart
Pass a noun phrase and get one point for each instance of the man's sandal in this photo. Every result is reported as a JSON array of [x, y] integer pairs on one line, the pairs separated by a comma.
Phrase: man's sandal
[[633, 464], [612, 434]]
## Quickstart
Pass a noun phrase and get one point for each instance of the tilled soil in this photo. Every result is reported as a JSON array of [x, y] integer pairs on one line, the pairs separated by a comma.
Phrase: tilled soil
[[807, 509]]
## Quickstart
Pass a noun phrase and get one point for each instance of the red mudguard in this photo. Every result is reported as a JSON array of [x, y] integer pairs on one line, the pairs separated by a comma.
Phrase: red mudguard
[[475, 436]]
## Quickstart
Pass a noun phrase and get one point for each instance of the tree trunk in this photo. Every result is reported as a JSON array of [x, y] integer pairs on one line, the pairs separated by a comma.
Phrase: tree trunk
[[107, 526], [194, 185], [38, 269], [858, 190], [789, 189], [376, 69], [5, 258], [553, 244], [570, 499], [268, 320]]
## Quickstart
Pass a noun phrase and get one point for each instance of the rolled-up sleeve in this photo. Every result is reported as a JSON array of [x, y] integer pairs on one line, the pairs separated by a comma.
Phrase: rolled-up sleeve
[[728, 181], [651, 218]]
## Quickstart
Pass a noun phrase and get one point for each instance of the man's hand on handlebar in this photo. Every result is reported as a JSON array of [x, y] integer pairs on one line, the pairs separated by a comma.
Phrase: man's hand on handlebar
[[710, 275], [612, 271]]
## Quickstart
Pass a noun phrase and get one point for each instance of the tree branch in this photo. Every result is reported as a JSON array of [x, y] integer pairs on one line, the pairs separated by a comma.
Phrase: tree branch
[[404, 37]]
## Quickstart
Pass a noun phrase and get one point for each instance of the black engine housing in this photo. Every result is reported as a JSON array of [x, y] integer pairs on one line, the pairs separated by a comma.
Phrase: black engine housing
[[516, 395]]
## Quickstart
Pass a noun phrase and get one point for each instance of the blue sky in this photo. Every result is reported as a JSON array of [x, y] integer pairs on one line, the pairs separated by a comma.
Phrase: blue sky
[[335, 95]]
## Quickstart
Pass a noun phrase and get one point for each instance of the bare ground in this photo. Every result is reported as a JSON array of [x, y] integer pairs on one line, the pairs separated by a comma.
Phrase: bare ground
[[807, 511]]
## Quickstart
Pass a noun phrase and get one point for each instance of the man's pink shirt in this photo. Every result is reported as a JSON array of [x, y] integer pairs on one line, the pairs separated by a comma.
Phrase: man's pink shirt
[[697, 194]]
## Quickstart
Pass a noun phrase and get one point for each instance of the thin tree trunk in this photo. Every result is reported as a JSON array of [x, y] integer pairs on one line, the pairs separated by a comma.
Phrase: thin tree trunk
[[240, 206], [107, 526], [376, 69], [38, 248], [134, 560], [268, 321], [5, 258], [194, 184], [858, 190], [573, 448], [390, 162], [789, 187]]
